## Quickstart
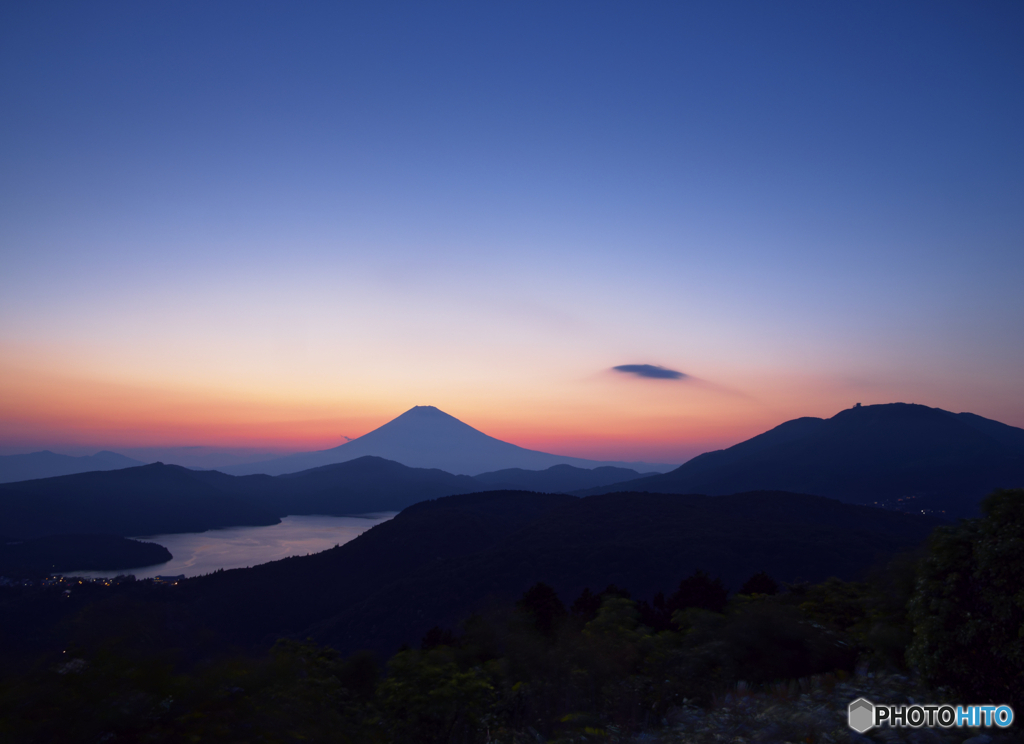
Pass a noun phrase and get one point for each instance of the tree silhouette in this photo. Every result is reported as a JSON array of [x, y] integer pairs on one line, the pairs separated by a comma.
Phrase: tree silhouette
[[656, 615], [542, 603], [613, 591], [698, 591], [968, 609], [760, 583], [587, 605], [437, 637]]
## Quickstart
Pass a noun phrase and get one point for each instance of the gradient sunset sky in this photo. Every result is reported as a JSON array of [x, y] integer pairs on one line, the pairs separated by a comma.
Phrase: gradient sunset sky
[[273, 225]]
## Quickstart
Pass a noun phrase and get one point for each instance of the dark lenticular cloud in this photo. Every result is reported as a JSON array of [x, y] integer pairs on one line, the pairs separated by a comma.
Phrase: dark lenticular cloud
[[651, 371]]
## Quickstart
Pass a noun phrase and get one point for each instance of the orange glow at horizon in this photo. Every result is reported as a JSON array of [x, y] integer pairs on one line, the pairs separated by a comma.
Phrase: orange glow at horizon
[[49, 410], [601, 416]]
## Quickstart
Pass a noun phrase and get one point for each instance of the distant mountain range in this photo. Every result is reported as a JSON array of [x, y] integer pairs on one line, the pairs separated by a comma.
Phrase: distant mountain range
[[160, 499], [48, 464], [425, 437], [897, 455], [907, 457]]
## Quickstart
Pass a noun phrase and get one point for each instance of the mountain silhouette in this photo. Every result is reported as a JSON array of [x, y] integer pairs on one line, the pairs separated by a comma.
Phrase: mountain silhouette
[[426, 437], [440, 560], [147, 500], [366, 484], [896, 454], [48, 464], [161, 499], [58, 553], [556, 479]]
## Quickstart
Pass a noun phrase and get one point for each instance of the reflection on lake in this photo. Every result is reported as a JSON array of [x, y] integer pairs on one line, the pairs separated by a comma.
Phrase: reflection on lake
[[197, 553]]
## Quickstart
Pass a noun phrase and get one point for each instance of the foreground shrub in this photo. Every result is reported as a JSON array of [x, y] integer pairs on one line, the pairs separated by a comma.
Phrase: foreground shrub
[[427, 699], [968, 609]]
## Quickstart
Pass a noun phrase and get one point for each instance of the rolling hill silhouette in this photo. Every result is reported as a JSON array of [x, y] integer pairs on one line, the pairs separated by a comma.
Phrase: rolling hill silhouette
[[425, 437], [440, 560], [897, 453], [366, 484], [48, 464], [908, 456], [161, 499], [147, 500], [556, 479], [42, 556]]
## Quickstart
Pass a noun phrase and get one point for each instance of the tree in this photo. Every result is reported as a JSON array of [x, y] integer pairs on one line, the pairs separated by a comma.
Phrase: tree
[[657, 614], [587, 605], [427, 699], [968, 609], [760, 583], [437, 636], [542, 603], [698, 591]]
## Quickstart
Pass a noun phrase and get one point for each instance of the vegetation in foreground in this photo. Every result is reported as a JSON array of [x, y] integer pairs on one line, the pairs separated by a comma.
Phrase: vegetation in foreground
[[693, 666]]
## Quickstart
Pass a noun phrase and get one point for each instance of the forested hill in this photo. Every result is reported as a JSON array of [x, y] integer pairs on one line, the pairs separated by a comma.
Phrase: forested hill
[[43, 556], [147, 500], [160, 499], [556, 479], [439, 561], [926, 457]]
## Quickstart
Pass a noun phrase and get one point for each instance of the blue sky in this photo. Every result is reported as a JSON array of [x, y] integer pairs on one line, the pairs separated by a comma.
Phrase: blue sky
[[322, 214]]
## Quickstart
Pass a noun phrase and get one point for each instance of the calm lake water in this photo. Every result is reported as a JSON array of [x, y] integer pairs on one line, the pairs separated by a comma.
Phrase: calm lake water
[[197, 553]]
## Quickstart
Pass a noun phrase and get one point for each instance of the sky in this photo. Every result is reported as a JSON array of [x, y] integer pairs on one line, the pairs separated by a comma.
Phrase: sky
[[265, 227]]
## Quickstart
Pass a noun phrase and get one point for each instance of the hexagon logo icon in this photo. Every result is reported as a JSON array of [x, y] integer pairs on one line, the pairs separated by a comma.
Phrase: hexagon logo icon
[[862, 715]]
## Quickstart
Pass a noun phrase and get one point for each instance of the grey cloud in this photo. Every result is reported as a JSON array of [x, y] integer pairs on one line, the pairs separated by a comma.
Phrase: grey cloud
[[650, 371]]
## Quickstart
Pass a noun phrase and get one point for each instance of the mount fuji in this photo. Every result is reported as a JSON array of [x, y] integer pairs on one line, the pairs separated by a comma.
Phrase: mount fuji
[[426, 437]]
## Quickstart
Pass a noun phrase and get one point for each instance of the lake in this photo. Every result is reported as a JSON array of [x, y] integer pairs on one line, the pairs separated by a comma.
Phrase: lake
[[198, 553]]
